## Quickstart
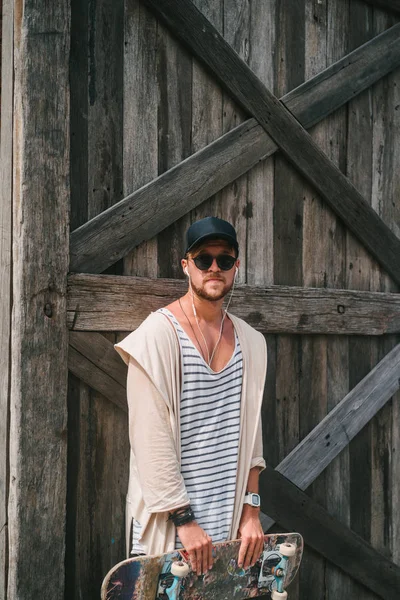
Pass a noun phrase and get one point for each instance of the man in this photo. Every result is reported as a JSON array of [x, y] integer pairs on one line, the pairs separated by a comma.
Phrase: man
[[195, 384]]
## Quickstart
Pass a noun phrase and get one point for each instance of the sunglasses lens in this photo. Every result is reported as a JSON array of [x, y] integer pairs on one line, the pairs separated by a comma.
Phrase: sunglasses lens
[[203, 261], [224, 261]]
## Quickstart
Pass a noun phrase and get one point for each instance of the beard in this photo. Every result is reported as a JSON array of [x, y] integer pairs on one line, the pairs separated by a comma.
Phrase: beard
[[214, 296]]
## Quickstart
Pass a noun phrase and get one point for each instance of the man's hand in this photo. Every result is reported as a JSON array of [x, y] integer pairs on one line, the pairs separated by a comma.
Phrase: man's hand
[[198, 545], [252, 536]]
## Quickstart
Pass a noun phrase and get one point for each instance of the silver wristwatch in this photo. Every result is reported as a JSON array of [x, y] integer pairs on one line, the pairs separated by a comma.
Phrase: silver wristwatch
[[252, 499]]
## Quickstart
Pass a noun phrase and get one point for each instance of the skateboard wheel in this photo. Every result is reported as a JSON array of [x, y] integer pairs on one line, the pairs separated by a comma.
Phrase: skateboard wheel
[[278, 595], [180, 569], [287, 549]]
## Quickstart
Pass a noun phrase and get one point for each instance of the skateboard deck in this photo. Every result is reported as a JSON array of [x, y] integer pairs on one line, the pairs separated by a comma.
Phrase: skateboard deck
[[169, 577]]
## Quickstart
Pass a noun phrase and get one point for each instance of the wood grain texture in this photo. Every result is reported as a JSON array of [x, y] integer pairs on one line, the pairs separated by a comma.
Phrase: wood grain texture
[[78, 392], [343, 422], [204, 41], [108, 303], [6, 175], [326, 265], [140, 139], [96, 378], [390, 5], [38, 437], [260, 179], [97, 427], [322, 239], [294, 510], [129, 222], [174, 80], [362, 273]]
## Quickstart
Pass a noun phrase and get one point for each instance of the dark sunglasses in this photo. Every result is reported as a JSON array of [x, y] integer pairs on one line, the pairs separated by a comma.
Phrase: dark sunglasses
[[204, 261]]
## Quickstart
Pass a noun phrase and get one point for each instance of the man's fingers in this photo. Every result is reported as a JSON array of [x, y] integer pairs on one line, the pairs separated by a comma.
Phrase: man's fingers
[[199, 555], [258, 546], [249, 554], [243, 551], [210, 556], [193, 559]]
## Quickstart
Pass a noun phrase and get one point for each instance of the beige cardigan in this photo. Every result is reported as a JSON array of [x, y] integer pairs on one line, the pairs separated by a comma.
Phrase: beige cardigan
[[156, 485]]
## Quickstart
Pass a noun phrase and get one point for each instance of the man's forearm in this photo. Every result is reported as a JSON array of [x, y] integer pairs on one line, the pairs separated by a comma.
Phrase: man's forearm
[[253, 479]]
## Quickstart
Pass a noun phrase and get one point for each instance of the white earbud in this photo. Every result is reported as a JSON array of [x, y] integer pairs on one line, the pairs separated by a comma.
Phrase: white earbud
[[236, 272], [186, 272]]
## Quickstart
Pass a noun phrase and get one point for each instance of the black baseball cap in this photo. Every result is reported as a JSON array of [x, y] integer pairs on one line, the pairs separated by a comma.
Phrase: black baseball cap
[[210, 228]]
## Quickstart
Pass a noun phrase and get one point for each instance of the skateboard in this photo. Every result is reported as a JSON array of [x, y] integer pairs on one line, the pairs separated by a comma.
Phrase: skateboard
[[169, 576]]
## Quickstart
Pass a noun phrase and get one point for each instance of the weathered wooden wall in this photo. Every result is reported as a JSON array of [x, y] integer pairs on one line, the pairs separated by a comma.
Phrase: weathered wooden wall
[[139, 105]]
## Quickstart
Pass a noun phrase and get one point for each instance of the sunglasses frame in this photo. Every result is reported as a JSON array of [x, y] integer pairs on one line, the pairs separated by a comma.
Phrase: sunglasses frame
[[219, 256]]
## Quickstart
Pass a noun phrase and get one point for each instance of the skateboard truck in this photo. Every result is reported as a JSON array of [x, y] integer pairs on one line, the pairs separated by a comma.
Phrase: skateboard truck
[[286, 550], [179, 569]]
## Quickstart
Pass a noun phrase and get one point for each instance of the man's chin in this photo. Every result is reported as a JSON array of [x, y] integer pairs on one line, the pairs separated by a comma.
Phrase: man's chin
[[212, 296]]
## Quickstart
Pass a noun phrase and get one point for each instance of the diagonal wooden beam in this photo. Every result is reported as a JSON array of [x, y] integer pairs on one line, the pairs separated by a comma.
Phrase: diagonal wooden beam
[[318, 449], [390, 5], [207, 44], [92, 358], [295, 511], [121, 303], [109, 236]]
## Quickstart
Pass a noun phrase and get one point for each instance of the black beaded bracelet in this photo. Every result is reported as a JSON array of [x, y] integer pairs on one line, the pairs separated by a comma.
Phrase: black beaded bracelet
[[182, 516]]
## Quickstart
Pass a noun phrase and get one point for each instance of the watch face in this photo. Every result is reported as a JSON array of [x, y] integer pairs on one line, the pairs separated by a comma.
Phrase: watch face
[[255, 500]]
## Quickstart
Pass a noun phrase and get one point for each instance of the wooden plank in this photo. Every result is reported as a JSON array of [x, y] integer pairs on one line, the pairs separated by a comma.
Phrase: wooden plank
[[322, 264], [77, 529], [343, 423], [329, 228], [287, 234], [108, 303], [390, 5], [38, 436], [140, 139], [174, 121], [207, 112], [6, 174], [260, 182], [294, 510], [384, 99], [101, 430], [385, 490], [233, 197], [101, 352], [95, 377], [189, 25], [362, 273], [184, 187]]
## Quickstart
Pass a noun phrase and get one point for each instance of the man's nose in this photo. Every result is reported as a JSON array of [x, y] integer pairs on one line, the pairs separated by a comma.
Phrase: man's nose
[[214, 266]]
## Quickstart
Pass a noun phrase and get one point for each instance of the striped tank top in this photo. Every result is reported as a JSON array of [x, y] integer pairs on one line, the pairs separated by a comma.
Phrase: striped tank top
[[209, 426]]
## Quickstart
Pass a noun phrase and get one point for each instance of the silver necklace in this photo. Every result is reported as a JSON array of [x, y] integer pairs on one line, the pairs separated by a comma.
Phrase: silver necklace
[[194, 333], [210, 359]]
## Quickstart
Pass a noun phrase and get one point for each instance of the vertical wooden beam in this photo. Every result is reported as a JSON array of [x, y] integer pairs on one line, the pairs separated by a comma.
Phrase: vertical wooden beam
[[207, 109], [260, 194], [174, 81], [39, 335], [97, 435], [362, 273], [385, 96], [140, 143], [78, 392], [7, 56]]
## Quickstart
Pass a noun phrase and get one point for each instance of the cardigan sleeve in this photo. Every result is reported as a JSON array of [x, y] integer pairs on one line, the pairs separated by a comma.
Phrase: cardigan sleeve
[[152, 443]]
